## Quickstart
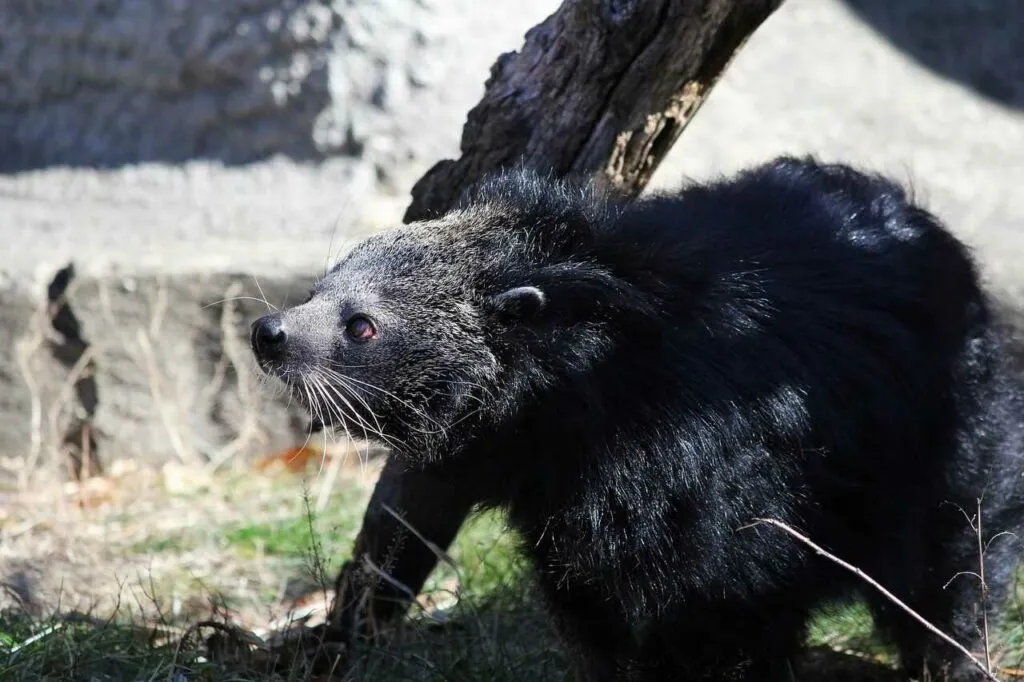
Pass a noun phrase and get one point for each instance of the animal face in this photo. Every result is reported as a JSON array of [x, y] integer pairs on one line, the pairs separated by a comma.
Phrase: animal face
[[388, 345], [427, 331], [396, 343]]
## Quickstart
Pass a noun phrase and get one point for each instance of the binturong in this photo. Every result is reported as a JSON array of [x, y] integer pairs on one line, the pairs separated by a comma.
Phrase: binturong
[[636, 382]]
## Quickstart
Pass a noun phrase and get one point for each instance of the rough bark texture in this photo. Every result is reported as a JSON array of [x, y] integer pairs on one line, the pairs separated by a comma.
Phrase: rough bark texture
[[599, 88]]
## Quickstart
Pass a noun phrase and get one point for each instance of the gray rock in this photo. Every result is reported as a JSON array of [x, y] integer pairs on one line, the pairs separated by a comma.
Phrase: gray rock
[[160, 370], [112, 82], [105, 82], [149, 354], [378, 91]]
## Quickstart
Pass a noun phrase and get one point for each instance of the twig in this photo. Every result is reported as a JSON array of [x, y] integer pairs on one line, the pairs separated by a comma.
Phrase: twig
[[79, 370], [984, 590], [159, 310], [249, 399], [975, 524], [317, 566], [86, 446], [153, 370], [394, 582], [45, 632], [433, 547], [886, 593], [327, 482], [24, 352]]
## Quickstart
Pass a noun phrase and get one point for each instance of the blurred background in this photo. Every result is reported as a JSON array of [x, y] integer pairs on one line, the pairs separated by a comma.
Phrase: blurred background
[[189, 141], [184, 156]]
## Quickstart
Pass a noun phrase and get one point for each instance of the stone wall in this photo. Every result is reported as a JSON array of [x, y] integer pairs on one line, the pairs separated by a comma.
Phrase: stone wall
[[109, 82], [117, 119], [376, 91]]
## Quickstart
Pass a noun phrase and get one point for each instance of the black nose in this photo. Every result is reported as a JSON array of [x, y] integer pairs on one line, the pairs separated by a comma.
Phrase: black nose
[[268, 337]]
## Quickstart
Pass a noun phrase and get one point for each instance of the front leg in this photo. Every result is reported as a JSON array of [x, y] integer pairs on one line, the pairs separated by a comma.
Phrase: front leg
[[434, 503]]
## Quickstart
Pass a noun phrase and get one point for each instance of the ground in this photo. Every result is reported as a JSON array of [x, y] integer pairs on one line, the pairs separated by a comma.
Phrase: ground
[[162, 543], [147, 555]]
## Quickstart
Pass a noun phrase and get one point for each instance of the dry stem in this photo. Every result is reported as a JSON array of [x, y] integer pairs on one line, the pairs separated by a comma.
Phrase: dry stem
[[24, 351], [886, 593], [155, 386], [984, 590], [234, 353]]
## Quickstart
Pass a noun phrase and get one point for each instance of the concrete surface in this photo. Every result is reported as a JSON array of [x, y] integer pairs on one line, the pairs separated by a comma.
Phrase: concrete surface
[[913, 93], [816, 79]]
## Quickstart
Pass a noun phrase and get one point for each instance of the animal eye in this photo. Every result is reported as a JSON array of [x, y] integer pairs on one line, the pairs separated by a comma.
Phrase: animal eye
[[360, 328]]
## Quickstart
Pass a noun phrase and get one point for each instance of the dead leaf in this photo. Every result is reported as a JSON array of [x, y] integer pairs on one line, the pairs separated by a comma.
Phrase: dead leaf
[[293, 460]]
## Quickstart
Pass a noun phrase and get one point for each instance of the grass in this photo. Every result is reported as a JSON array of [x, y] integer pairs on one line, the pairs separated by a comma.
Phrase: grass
[[59, 649], [495, 633], [243, 547]]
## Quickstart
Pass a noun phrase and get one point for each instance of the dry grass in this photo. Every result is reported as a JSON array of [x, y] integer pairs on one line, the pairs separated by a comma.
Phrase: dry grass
[[180, 530], [139, 556], [106, 580]]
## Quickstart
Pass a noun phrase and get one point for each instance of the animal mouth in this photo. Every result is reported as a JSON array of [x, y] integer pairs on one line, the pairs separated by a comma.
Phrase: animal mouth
[[332, 404], [310, 391], [319, 399]]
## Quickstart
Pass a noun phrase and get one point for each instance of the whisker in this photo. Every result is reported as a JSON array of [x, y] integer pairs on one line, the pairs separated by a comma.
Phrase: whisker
[[325, 385], [364, 459], [239, 298], [378, 431], [384, 392], [317, 387], [343, 383], [312, 407], [342, 387], [267, 303], [441, 429]]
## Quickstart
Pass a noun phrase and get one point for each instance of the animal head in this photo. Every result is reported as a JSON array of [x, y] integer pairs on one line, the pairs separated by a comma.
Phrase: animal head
[[440, 327]]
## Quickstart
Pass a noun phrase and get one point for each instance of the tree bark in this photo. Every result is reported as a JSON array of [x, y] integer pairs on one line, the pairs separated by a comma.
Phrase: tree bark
[[600, 88]]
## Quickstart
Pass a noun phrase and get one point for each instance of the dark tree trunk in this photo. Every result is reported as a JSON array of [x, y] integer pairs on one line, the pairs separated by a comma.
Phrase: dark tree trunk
[[601, 88]]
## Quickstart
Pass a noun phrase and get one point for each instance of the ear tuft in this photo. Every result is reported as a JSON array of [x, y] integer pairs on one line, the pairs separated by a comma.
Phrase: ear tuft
[[519, 303]]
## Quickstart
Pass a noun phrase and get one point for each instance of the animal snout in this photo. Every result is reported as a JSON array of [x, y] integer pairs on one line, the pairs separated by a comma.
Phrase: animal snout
[[268, 337]]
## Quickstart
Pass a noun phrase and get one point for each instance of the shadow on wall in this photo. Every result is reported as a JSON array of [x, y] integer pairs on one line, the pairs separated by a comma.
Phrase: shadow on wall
[[977, 43]]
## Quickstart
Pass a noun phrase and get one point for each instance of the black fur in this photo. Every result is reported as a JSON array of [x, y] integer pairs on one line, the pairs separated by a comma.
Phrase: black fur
[[636, 382]]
